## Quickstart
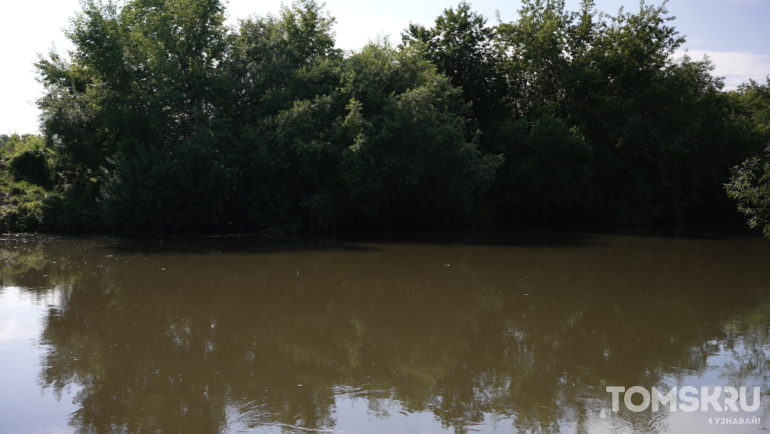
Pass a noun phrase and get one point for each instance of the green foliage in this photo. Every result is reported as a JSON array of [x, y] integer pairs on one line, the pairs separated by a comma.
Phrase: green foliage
[[27, 174], [34, 166], [169, 188], [405, 150], [22, 206], [143, 85], [659, 127], [270, 51], [28, 159], [750, 187], [751, 105], [390, 139], [15, 144], [541, 53], [462, 47], [162, 119], [547, 173]]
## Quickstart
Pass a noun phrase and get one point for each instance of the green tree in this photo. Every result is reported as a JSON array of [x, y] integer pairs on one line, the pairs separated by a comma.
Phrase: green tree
[[547, 175], [461, 46], [164, 119], [390, 145], [409, 151], [27, 159], [660, 127], [270, 51], [138, 98], [749, 185], [542, 55]]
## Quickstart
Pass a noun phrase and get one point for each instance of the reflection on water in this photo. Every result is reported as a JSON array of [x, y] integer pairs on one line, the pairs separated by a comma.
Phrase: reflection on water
[[520, 335]]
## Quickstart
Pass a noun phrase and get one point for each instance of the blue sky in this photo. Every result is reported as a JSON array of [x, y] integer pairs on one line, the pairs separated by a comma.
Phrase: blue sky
[[735, 34]]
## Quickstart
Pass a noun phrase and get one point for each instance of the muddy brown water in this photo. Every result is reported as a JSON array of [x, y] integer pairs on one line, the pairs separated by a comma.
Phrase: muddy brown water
[[521, 332]]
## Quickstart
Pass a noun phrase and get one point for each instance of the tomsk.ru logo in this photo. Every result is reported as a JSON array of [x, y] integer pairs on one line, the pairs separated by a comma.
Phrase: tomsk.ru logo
[[689, 397]]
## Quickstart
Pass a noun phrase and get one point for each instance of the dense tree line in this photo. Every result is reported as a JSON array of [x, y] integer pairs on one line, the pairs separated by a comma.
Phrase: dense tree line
[[164, 119]]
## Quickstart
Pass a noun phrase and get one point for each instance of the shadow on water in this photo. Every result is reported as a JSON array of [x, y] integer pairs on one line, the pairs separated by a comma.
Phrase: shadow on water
[[356, 241], [228, 244], [521, 236], [512, 237], [705, 230], [351, 241]]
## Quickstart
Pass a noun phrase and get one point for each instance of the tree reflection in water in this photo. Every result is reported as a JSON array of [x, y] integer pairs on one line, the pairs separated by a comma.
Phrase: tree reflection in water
[[200, 337]]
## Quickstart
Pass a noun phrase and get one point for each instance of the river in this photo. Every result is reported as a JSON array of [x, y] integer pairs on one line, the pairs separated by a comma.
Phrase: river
[[500, 332]]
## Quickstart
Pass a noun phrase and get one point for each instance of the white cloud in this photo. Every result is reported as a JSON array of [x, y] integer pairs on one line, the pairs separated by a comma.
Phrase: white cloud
[[736, 67]]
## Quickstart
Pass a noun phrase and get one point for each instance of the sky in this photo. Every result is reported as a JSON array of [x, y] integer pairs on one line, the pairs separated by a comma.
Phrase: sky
[[734, 34]]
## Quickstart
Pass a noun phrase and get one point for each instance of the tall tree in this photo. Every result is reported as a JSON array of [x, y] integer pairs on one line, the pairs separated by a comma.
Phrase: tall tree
[[749, 185], [461, 45]]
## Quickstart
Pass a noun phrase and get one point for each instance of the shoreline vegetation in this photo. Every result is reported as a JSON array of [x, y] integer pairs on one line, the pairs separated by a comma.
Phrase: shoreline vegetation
[[163, 120]]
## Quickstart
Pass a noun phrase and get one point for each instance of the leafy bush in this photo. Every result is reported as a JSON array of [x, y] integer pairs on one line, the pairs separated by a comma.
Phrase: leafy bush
[[22, 207], [547, 172], [34, 166], [750, 187]]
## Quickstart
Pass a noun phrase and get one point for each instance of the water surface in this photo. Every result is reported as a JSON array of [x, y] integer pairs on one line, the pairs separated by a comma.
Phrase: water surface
[[507, 333]]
